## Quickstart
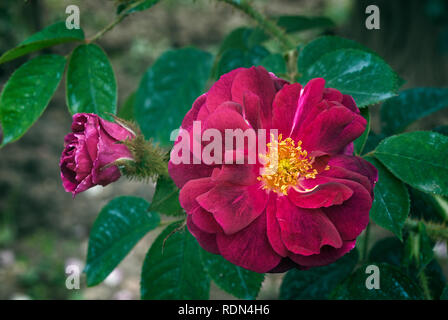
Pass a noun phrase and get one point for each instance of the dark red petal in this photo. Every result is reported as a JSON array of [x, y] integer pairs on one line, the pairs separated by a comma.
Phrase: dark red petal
[[326, 256], [257, 81], [305, 231], [221, 91], [284, 108], [273, 227], [206, 240], [234, 207], [332, 130], [323, 195], [250, 247], [351, 217]]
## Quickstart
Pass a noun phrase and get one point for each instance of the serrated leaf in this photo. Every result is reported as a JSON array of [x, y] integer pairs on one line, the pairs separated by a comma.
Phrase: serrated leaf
[[52, 35], [237, 281], [390, 206], [363, 75], [418, 158], [274, 63], [91, 84], [394, 285], [118, 228], [301, 23], [360, 143], [411, 105], [166, 198], [317, 283], [168, 90], [317, 48], [173, 269], [27, 93]]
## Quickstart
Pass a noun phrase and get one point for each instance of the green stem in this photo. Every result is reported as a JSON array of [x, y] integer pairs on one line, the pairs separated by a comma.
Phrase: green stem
[[424, 284], [116, 21], [435, 230], [264, 22], [109, 27]]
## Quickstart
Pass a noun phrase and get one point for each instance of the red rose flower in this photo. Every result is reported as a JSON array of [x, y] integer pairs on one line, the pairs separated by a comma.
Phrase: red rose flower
[[304, 210], [90, 150]]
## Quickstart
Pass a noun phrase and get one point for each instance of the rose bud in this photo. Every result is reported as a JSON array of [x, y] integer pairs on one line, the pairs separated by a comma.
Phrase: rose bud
[[90, 151], [304, 210]]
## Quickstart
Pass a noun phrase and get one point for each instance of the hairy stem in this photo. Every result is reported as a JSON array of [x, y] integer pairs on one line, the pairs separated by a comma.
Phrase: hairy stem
[[435, 230], [424, 284]]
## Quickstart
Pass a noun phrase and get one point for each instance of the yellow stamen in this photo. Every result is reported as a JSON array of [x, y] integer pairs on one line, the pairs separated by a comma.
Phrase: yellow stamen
[[285, 164]]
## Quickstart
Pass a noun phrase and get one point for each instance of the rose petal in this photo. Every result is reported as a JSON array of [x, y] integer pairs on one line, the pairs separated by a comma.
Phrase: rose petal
[[305, 231], [322, 195], [285, 105], [234, 207], [250, 247], [206, 240], [326, 256]]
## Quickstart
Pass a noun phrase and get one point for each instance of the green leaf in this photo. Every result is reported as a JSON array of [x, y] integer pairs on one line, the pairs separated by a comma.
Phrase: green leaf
[[390, 206], [168, 90], [317, 48], [243, 39], [427, 207], [394, 285], [372, 141], [132, 6], [418, 158], [52, 35], [91, 84], [241, 283], [360, 143], [126, 111], [444, 295], [166, 198], [388, 250], [27, 93], [301, 23], [363, 75], [413, 104], [241, 48], [236, 58], [274, 63], [118, 228], [173, 268], [317, 283]]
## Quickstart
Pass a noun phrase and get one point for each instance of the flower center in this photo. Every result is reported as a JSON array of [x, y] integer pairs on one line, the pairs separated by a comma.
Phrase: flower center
[[285, 164]]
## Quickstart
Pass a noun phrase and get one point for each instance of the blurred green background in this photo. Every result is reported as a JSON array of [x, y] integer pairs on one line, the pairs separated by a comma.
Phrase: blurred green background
[[42, 229]]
